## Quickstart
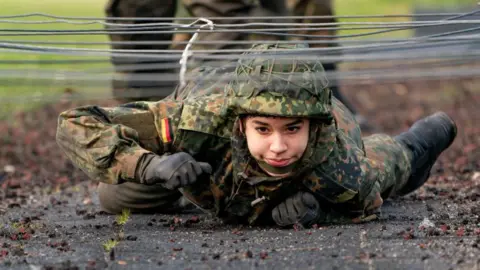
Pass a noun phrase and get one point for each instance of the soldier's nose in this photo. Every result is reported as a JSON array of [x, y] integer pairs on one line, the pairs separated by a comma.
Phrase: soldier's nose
[[278, 144]]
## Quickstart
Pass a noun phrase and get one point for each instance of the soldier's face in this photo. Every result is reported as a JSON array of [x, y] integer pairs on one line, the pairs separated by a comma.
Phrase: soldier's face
[[277, 141]]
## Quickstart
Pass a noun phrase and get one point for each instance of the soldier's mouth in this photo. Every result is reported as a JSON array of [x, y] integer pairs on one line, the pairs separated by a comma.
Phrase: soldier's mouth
[[278, 162]]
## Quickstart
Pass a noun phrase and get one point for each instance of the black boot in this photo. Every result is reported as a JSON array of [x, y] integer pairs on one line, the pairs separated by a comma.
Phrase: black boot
[[427, 139]]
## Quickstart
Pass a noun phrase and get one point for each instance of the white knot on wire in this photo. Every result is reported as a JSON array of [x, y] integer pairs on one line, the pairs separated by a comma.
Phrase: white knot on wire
[[186, 53]]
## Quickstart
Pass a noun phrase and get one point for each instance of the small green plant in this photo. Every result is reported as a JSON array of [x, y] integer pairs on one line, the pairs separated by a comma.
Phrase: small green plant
[[123, 217], [109, 244]]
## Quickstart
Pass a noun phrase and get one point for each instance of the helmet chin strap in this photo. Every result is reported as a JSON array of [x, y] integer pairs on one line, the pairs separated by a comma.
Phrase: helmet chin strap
[[277, 170]]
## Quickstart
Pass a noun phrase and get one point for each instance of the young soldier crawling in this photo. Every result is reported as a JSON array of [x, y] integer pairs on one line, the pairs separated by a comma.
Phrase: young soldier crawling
[[269, 146]]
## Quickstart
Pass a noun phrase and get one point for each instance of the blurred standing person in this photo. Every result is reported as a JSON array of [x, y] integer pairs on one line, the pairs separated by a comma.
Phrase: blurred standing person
[[127, 84], [131, 74]]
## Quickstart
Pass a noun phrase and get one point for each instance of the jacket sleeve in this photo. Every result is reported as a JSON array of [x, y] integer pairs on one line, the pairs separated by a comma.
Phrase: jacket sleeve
[[107, 143]]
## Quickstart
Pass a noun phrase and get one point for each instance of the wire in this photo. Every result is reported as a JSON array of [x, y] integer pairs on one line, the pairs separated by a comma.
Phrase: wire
[[157, 26], [229, 18], [453, 54], [348, 78]]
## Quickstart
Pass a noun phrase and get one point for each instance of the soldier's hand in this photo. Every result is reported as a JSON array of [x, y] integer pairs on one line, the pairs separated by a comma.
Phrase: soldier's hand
[[300, 208], [174, 171]]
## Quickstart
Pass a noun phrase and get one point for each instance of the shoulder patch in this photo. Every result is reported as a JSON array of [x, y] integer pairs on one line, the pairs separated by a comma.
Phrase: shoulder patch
[[166, 130]]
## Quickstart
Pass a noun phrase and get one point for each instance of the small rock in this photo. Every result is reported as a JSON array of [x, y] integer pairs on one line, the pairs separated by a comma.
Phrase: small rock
[[131, 238], [18, 251], [263, 255], [81, 212], [426, 223], [89, 216], [476, 177], [9, 168]]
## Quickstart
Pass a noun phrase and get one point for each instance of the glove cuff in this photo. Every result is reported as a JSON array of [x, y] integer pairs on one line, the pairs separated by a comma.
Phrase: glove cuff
[[142, 165]]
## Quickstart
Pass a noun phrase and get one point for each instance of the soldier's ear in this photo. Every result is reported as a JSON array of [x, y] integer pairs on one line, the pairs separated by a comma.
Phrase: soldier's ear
[[242, 125]]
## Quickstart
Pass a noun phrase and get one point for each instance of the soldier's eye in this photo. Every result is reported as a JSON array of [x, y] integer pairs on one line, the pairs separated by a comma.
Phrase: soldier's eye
[[262, 130], [293, 129]]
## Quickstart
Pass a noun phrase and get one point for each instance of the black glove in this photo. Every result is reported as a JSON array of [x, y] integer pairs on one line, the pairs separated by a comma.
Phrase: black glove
[[171, 171], [300, 208]]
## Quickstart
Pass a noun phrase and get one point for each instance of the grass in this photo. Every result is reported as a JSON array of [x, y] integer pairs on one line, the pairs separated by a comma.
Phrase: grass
[[119, 234], [21, 92], [109, 244], [123, 217]]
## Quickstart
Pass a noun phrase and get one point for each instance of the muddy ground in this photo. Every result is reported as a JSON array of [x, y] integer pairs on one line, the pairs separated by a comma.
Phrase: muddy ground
[[50, 217]]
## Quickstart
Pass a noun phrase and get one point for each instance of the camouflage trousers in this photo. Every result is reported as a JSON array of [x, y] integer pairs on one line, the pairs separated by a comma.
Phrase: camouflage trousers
[[138, 78]]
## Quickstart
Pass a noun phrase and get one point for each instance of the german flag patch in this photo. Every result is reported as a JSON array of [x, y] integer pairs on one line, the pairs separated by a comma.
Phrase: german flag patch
[[167, 132]]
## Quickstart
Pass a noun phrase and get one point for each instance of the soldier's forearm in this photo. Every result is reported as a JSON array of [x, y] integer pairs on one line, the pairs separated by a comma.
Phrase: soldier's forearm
[[108, 152]]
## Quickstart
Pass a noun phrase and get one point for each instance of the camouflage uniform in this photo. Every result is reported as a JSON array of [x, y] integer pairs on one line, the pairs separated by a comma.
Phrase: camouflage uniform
[[348, 175], [306, 8]]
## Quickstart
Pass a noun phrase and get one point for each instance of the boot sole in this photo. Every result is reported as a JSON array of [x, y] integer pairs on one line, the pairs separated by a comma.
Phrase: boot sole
[[453, 124]]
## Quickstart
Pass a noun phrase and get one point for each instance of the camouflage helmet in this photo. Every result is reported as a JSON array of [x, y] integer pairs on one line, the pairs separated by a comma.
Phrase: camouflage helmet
[[280, 80]]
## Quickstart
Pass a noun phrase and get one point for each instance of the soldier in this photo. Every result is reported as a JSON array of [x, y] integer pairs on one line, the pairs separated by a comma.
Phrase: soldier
[[264, 142]]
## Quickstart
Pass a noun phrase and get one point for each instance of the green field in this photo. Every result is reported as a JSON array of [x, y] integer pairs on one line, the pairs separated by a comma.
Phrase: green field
[[18, 92], [21, 91]]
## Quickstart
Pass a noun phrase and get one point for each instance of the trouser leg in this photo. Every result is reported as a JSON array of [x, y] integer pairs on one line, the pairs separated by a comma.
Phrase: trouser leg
[[320, 8], [219, 8], [233, 8], [138, 198], [136, 78], [387, 163], [277, 9], [313, 8]]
